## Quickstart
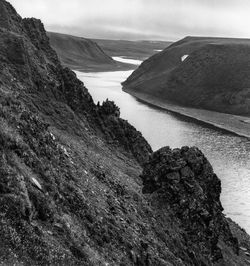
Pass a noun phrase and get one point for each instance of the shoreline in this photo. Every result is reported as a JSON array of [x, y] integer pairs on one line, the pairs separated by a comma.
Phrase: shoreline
[[235, 124]]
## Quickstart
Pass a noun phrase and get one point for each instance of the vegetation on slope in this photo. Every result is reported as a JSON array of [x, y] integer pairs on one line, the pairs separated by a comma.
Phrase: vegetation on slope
[[132, 49], [83, 54], [70, 191], [214, 75]]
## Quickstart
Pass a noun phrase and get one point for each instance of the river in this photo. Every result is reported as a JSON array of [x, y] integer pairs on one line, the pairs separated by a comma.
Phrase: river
[[228, 154]]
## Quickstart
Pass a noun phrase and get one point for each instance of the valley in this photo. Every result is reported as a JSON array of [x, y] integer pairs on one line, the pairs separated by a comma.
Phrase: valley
[[86, 180]]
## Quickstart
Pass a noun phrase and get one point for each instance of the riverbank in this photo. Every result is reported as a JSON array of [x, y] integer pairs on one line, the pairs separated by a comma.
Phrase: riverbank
[[228, 153], [238, 125]]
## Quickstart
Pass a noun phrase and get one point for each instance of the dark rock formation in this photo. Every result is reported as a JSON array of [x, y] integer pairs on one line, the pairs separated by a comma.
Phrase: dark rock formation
[[187, 184], [28, 61], [122, 132], [109, 108], [9, 18], [75, 93], [213, 76]]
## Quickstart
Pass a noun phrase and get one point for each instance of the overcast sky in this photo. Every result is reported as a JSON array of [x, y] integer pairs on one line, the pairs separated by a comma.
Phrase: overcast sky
[[141, 19]]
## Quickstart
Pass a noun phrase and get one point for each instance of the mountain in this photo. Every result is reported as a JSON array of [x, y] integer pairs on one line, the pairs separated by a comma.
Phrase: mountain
[[81, 186], [207, 73], [79, 53]]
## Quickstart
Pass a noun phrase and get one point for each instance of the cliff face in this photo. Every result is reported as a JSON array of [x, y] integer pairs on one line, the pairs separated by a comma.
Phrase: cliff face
[[209, 73], [70, 191]]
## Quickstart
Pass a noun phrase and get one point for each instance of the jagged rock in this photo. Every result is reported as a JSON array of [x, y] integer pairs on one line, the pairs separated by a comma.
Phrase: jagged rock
[[185, 180], [76, 94], [9, 19], [109, 108], [28, 59], [121, 131]]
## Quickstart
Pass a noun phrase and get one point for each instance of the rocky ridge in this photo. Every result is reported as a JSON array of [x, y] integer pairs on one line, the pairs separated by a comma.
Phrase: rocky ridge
[[70, 189]]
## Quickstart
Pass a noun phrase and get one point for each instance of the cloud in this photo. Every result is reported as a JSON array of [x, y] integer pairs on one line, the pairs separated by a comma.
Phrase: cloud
[[137, 19]]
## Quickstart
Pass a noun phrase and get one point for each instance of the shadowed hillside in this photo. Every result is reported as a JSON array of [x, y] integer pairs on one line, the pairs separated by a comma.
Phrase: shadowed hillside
[[83, 54], [209, 73]]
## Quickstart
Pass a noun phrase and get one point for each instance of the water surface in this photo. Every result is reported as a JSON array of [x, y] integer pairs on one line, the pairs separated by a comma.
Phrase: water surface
[[127, 60], [229, 154]]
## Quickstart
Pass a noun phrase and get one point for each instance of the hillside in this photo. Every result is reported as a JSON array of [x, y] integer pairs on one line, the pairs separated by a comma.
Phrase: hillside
[[83, 54], [81, 186], [207, 73], [131, 49]]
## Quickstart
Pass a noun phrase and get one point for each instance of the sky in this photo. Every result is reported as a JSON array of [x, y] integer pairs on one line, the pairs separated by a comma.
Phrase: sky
[[141, 19]]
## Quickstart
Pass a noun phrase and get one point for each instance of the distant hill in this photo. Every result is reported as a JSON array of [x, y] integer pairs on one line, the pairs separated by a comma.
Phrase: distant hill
[[202, 72], [82, 54], [132, 49]]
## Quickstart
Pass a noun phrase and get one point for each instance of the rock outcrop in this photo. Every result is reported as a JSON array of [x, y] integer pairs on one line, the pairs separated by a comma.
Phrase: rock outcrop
[[120, 131], [29, 64], [186, 183], [213, 76]]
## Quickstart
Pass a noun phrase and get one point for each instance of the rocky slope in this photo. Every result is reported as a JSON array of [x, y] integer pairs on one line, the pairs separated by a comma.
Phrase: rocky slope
[[186, 185], [79, 53], [70, 186], [208, 73]]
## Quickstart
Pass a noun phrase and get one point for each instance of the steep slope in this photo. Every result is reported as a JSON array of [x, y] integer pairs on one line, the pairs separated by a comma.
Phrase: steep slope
[[209, 73], [82, 54], [70, 190], [185, 184]]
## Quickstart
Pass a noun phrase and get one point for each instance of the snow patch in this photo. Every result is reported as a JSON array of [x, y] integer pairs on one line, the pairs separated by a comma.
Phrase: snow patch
[[184, 57]]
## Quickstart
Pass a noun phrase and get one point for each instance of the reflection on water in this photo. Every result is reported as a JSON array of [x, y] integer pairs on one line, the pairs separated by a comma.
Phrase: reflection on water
[[229, 155]]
